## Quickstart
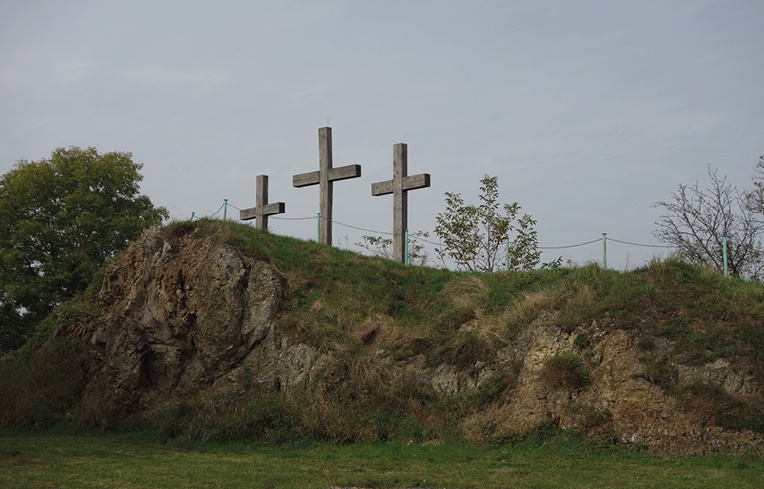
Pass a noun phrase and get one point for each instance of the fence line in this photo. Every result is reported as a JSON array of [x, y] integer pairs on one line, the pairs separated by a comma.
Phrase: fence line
[[642, 245], [216, 212], [630, 243], [568, 246], [604, 239], [360, 229], [291, 218]]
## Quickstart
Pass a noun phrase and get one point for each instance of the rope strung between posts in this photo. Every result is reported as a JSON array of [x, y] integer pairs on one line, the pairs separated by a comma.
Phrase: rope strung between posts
[[293, 218], [216, 212], [568, 246], [413, 236], [643, 245], [361, 229]]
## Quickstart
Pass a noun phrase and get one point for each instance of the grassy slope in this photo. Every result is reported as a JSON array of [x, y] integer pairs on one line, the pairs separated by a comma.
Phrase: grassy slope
[[357, 306], [331, 291]]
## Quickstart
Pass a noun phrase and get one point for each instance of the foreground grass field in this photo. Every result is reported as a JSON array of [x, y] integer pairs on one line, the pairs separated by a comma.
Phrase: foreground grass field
[[44, 460]]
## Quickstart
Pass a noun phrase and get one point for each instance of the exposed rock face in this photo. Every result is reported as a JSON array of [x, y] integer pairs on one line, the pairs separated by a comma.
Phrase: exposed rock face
[[619, 399], [188, 316], [182, 315]]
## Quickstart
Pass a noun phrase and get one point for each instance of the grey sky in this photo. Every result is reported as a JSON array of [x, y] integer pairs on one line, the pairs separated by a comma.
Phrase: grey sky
[[587, 111]]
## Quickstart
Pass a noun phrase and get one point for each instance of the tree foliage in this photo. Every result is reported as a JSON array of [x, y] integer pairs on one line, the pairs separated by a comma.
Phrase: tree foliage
[[61, 219], [476, 237], [698, 218]]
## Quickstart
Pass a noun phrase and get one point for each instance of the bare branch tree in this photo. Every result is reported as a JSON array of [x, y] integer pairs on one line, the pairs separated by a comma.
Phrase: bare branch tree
[[697, 219], [755, 198]]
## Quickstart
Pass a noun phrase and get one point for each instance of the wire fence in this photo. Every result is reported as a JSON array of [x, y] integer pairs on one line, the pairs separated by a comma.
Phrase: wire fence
[[420, 236]]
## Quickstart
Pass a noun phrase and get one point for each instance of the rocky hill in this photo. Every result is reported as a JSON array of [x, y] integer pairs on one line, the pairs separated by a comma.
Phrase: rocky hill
[[216, 330]]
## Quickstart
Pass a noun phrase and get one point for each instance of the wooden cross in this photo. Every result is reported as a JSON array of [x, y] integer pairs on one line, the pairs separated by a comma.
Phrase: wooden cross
[[263, 209], [325, 177], [399, 186]]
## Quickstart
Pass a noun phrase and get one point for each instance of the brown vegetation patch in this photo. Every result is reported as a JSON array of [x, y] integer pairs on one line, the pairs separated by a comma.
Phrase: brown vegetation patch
[[566, 371]]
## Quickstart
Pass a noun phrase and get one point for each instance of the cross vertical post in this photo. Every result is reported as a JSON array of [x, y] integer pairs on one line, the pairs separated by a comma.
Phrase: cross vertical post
[[263, 209], [325, 178], [399, 187], [325, 188]]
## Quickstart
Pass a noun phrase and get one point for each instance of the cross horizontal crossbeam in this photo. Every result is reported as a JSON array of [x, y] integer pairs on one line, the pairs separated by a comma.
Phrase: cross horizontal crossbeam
[[263, 209], [399, 186], [325, 178]]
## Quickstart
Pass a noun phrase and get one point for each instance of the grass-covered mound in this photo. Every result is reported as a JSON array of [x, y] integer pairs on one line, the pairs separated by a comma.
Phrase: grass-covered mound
[[359, 309]]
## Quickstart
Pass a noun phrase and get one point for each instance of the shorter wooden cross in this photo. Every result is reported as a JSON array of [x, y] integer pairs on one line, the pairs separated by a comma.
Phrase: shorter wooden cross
[[325, 177], [399, 187], [263, 209]]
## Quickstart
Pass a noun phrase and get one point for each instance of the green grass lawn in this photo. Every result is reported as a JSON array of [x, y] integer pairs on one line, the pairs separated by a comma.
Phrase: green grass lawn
[[44, 460]]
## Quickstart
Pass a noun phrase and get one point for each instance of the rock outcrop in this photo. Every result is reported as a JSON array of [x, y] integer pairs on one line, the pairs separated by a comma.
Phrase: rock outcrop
[[182, 315], [187, 316], [620, 399]]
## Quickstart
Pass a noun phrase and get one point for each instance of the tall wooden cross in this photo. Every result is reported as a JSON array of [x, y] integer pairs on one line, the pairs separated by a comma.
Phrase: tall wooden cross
[[263, 209], [325, 177], [399, 187]]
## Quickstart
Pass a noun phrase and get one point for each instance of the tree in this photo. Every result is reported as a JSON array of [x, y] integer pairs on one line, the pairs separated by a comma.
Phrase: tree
[[476, 237], [61, 219], [698, 219], [755, 198]]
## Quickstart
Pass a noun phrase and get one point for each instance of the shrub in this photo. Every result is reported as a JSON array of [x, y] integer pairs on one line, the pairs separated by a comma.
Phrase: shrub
[[566, 371], [580, 341], [39, 388]]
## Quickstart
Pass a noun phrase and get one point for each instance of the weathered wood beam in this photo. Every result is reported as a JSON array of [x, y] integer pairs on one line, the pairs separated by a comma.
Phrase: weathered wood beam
[[325, 178], [399, 187]]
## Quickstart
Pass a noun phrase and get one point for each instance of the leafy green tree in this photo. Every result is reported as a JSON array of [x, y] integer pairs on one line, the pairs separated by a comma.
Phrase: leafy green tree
[[476, 237], [61, 219]]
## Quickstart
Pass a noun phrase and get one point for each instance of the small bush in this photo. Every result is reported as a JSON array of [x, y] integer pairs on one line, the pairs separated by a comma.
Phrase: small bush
[[580, 341], [566, 371], [535, 438], [466, 349], [38, 389], [263, 416]]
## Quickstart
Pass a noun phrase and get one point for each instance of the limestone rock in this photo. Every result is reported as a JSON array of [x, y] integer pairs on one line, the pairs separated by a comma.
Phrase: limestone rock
[[618, 400], [183, 314]]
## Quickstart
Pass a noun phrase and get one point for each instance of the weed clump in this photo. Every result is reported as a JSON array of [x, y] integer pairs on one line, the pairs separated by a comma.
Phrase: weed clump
[[566, 371]]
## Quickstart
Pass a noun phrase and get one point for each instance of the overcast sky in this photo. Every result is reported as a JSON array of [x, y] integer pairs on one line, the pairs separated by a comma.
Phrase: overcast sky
[[587, 111]]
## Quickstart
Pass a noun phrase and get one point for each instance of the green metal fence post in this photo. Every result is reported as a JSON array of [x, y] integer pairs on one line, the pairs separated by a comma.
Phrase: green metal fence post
[[406, 249], [318, 227], [604, 250], [724, 252], [192, 215], [506, 266]]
